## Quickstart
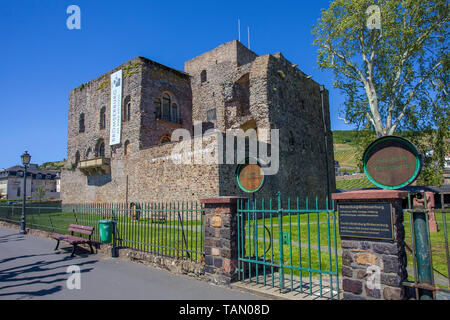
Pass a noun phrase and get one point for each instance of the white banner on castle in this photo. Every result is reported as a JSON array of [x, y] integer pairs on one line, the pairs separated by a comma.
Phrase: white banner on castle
[[116, 108]]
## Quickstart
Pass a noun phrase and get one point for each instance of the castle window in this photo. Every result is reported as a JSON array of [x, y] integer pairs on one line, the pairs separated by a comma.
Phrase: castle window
[[241, 93], [164, 139], [127, 109], [203, 77], [126, 147], [291, 138], [77, 159], [100, 148], [166, 107], [102, 118], [211, 115], [174, 113], [166, 110], [81, 123], [157, 104], [18, 192]]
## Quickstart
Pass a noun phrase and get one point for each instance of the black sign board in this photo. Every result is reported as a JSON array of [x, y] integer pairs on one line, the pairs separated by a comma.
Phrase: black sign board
[[366, 220]]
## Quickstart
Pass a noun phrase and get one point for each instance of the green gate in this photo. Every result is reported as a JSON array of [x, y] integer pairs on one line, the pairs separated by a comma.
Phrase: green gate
[[293, 248]]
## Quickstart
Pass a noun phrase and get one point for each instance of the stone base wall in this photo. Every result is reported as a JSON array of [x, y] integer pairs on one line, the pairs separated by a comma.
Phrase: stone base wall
[[374, 269], [358, 257]]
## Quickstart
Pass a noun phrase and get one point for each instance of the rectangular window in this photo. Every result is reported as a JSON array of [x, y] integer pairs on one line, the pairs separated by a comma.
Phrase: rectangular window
[[211, 115]]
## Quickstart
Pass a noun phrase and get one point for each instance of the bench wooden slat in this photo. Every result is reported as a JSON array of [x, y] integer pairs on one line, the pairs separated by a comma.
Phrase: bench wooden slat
[[77, 226], [69, 238], [80, 231]]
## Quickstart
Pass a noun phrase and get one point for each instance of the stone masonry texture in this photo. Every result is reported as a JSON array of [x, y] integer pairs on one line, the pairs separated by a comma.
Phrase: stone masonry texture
[[359, 255], [229, 87]]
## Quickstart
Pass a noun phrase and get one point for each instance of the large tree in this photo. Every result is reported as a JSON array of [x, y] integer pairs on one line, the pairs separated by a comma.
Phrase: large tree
[[395, 78], [390, 74]]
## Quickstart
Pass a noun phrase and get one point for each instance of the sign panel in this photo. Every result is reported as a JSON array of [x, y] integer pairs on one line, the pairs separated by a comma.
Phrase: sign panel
[[116, 108], [250, 177], [392, 162], [366, 220]]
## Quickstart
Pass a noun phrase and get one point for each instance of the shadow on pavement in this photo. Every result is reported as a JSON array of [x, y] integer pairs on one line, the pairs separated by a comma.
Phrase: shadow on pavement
[[28, 279]]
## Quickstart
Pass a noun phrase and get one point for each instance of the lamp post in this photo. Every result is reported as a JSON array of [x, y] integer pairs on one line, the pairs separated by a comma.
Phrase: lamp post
[[25, 161], [322, 89]]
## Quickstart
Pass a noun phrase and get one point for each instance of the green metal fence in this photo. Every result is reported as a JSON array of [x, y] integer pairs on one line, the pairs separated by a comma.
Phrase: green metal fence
[[167, 229], [294, 248]]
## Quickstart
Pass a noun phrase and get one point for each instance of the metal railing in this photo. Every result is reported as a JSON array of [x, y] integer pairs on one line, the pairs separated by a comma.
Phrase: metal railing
[[167, 229], [294, 248]]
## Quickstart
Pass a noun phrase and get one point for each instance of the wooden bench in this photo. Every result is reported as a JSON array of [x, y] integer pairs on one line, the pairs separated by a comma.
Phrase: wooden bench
[[75, 240]]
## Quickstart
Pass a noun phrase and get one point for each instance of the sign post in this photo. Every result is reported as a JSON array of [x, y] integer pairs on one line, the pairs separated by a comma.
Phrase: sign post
[[371, 222]]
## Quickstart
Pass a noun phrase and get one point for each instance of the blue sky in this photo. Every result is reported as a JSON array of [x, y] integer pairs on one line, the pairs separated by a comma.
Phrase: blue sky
[[42, 60]]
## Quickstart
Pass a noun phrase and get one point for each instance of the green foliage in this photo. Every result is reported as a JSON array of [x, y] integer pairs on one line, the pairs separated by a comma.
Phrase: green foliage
[[344, 136], [39, 192], [395, 80], [355, 184], [104, 84], [52, 165], [131, 69]]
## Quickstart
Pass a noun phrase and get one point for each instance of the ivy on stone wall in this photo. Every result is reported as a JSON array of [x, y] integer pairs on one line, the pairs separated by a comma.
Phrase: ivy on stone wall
[[104, 84], [131, 69]]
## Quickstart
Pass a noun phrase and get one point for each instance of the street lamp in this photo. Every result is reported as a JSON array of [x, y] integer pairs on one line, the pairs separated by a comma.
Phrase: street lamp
[[25, 161]]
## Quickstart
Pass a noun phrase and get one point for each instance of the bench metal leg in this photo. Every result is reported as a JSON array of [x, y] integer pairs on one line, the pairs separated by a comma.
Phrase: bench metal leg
[[90, 246], [57, 245], [73, 250]]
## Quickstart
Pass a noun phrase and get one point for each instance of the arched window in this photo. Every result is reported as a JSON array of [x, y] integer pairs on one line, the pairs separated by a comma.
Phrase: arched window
[[174, 113], [100, 148], [166, 107], [126, 147], [157, 104], [102, 118], [81, 123], [164, 139], [127, 109], [203, 76]]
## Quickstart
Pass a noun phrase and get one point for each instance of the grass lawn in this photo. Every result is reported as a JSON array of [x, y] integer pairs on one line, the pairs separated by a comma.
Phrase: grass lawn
[[355, 184], [301, 249]]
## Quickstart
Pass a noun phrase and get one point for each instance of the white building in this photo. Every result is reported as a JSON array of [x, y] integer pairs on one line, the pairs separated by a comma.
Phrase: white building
[[11, 182]]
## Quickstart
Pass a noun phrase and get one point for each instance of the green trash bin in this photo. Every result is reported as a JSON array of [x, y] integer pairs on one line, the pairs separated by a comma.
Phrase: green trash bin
[[106, 231]]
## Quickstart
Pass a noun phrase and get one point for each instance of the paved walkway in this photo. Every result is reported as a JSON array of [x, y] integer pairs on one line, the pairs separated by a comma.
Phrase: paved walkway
[[30, 269]]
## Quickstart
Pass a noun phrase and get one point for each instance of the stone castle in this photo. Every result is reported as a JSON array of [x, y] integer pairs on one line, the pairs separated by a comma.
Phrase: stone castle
[[226, 88]]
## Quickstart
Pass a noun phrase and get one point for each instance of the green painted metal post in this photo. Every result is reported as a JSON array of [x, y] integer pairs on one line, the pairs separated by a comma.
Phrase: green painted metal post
[[280, 240], [423, 254]]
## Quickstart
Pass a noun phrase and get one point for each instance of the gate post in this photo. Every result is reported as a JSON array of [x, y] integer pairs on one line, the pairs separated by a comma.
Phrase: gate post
[[373, 268], [221, 239]]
